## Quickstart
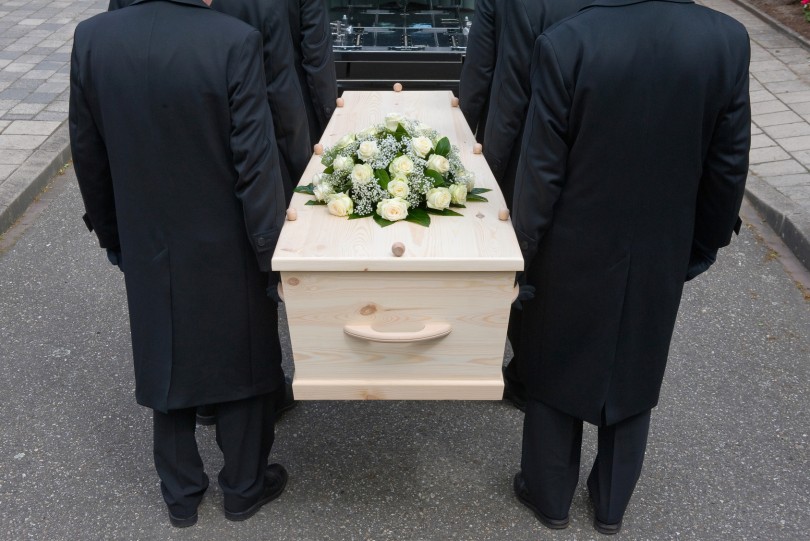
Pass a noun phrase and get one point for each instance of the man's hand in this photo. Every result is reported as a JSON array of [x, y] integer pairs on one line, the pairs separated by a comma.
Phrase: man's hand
[[525, 291], [115, 257], [699, 260]]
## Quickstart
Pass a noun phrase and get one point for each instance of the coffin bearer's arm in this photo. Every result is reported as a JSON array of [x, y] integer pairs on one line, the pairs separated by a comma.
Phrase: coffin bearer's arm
[[259, 185], [544, 154], [90, 160], [318, 59], [722, 184], [476, 73]]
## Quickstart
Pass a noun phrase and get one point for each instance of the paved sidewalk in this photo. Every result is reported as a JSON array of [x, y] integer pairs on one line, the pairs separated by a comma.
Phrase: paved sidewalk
[[35, 42], [36, 38]]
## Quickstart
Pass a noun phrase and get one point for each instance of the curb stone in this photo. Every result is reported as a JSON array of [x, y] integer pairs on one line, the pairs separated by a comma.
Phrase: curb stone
[[804, 42], [26, 183]]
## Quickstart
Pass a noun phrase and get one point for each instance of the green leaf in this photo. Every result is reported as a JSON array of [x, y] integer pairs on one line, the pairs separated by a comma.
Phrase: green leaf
[[382, 222], [477, 198], [438, 179], [355, 216], [400, 133], [480, 190], [329, 170], [305, 189], [456, 206], [443, 147], [418, 216], [382, 178], [316, 202], [445, 212]]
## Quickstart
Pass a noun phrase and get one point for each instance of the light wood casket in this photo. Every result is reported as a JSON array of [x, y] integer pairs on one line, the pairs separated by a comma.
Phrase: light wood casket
[[431, 324]]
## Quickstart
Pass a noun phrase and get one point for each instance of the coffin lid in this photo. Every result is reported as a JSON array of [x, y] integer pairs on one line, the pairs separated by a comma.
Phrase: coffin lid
[[477, 241]]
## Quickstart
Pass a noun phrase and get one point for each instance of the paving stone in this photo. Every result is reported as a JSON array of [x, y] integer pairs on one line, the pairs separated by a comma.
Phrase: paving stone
[[785, 167], [31, 128], [27, 109], [776, 75], [801, 179], [795, 143], [761, 141], [784, 87], [21, 142], [13, 156], [761, 95], [775, 119], [764, 107], [767, 154], [796, 97], [794, 129]]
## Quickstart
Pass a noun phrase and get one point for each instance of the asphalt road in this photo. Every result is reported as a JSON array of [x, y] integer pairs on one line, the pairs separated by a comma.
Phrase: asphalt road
[[728, 456]]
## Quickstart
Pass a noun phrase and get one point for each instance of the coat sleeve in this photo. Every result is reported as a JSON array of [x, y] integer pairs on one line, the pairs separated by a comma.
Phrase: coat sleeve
[[510, 96], [479, 65], [318, 59], [258, 186], [285, 98], [90, 159], [544, 153], [725, 168]]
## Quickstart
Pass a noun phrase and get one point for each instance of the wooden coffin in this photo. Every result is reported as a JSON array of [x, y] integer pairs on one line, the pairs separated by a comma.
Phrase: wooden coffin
[[430, 324]]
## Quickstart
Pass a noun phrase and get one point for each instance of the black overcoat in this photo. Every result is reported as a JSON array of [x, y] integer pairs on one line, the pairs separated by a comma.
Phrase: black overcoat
[[173, 145], [283, 88], [519, 23], [475, 82], [314, 61], [636, 145]]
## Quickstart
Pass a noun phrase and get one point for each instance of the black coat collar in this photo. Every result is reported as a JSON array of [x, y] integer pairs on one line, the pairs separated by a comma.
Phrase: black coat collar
[[618, 3], [195, 3]]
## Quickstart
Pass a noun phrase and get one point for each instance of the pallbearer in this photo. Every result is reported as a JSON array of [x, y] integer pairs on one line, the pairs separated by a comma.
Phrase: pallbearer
[[175, 153], [631, 175]]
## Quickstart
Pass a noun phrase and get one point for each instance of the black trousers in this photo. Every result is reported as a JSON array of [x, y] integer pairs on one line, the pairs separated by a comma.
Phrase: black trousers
[[552, 443], [245, 433]]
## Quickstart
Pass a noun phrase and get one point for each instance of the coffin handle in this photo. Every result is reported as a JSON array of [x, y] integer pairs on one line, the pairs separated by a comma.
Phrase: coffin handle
[[432, 330]]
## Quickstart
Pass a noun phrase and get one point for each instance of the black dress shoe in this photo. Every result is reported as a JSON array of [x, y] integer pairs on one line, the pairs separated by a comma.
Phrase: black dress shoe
[[275, 479], [605, 528], [182, 522], [522, 493]]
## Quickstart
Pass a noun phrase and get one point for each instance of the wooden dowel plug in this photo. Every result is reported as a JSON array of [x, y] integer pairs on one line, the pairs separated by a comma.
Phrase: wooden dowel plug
[[318, 149], [339, 102], [478, 148], [397, 87], [398, 248], [503, 214], [454, 101], [292, 215]]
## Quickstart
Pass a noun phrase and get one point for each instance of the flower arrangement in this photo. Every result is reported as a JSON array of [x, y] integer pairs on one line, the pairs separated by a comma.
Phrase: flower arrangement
[[397, 170], [806, 9]]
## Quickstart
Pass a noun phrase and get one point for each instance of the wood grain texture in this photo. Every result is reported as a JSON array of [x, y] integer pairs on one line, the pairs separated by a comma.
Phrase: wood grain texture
[[464, 365], [477, 241]]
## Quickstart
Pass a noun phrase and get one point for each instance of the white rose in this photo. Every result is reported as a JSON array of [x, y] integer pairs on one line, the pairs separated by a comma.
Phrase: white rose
[[371, 131], [345, 141], [340, 204], [422, 146], [343, 163], [398, 188], [367, 150], [362, 173], [438, 163], [459, 193], [393, 209], [392, 121], [466, 177], [322, 191], [318, 178], [403, 165], [438, 198]]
